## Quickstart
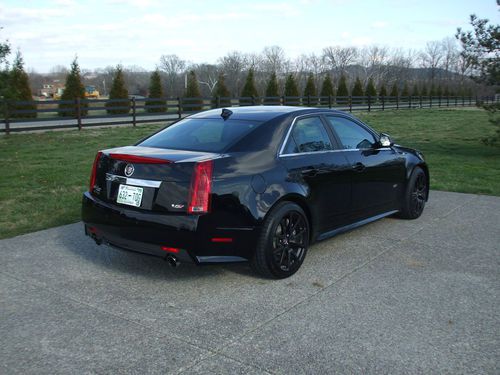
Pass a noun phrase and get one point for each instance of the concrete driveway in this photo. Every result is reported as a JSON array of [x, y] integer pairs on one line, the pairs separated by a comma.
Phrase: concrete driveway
[[392, 297]]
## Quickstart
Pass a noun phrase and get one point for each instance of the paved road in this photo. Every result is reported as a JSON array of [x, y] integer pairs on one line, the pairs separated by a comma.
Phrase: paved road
[[391, 297]]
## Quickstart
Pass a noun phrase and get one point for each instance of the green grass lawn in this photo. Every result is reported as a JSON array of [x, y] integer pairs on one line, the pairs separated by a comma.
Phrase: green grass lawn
[[43, 175]]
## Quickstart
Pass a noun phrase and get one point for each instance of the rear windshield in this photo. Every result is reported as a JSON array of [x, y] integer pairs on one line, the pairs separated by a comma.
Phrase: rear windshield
[[212, 135]]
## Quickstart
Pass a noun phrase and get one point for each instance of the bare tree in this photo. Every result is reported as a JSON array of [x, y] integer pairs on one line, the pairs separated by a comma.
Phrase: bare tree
[[374, 60], [232, 66], [207, 76], [273, 60], [432, 57], [451, 54], [173, 66], [400, 64], [338, 58]]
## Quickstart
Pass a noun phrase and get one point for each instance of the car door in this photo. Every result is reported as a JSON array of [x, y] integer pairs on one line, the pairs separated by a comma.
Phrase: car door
[[378, 173], [310, 156]]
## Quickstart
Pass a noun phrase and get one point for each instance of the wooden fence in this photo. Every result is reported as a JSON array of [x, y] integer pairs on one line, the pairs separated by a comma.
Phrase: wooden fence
[[17, 116]]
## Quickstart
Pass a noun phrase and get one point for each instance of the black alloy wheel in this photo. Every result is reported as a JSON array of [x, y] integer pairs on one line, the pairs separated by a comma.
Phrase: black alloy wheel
[[416, 195], [283, 243]]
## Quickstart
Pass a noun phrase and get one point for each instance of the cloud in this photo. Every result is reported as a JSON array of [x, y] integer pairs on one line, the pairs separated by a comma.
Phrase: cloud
[[379, 25]]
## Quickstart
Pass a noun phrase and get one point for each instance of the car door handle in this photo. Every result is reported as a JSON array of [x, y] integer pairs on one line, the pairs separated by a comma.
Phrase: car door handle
[[359, 167]]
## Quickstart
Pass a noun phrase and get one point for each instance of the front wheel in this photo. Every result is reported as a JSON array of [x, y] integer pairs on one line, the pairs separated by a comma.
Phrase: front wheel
[[283, 242], [415, 196]]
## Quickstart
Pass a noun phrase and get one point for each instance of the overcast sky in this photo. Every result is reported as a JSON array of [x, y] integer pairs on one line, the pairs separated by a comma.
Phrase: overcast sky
[[138, 32]]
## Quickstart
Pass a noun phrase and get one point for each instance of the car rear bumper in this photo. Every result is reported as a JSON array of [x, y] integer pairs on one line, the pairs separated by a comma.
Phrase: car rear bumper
[[189, 238]]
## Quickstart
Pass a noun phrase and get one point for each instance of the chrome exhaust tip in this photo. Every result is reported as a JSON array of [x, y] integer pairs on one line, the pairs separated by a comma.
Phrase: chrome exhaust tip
[[173, 261]]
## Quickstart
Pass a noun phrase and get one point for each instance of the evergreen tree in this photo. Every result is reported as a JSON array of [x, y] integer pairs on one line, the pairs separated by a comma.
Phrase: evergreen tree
[[406, 90], [222, 92], [194, 101], [156, 92], [73, 89], [291, 90], [19, 88], [118, 92], [424, 91], [310, 88], [4, 74], [249, 89], [370, 89], [272, 90], [415, 91], [433, 90], [383, 90], [357, 89], [342, 90], [327, 90], [394, 90]]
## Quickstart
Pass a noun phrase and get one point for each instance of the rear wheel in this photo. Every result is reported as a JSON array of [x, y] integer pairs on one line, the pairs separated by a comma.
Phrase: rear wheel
[[415, 196], [283, 242]]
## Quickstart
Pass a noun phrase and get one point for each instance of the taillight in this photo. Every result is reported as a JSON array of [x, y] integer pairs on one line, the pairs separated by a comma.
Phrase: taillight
[[201, 186], [94, 171]]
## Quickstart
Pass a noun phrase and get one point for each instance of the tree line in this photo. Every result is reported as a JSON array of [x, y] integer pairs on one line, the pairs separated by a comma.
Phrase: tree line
[[443, 68]]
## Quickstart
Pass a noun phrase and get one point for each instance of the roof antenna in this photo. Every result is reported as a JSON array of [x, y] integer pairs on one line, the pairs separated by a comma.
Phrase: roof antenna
[[226, 113]]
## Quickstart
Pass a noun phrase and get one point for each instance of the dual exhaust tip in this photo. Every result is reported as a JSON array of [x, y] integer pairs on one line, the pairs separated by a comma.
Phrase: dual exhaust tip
[[171, 260]]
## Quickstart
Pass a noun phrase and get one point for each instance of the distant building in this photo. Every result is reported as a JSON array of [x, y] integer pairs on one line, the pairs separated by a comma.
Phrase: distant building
[[49, 90]]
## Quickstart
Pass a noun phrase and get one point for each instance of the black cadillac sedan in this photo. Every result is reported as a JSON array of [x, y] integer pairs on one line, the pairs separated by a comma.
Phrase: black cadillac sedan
[[256, 184]]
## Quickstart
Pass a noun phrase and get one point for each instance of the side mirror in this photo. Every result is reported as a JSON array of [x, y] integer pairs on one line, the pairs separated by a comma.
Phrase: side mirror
[[385, 140]]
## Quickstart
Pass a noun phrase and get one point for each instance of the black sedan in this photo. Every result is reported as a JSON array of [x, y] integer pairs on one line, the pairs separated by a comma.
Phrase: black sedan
[[256, 184]]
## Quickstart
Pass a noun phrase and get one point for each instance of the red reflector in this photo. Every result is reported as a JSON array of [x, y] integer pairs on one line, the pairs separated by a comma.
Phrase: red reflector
[[201, 186], [94, 171], [92, 230], [222, 239], [138, 159], [170, 249]]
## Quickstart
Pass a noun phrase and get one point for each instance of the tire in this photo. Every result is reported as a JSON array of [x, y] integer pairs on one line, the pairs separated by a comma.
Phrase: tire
[[415, 195], [278, 256]]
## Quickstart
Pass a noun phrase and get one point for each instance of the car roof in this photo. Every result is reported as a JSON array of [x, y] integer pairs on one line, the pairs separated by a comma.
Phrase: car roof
[[259, 112]]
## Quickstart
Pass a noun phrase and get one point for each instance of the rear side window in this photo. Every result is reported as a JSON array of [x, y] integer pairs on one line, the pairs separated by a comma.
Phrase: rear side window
[[211, 135], [352, 135], [308, 135]]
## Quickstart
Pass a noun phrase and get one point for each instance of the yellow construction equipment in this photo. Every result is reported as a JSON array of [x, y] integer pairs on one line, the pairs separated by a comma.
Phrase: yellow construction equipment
[[91, 92]]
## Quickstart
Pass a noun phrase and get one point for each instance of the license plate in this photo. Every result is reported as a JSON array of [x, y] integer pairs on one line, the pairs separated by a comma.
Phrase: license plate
[[131, 195]]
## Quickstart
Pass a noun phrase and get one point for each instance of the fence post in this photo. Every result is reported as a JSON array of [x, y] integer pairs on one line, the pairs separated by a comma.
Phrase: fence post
[[369, 103], [439, 102], [430, 101], [463, 101], [179, 107], [409, 102], [329, 101], [383, 102], [350, 103], [283, 100], [217, 101], [78, 113], [133, 111], [456, 101], [308, 100], [420, 101], [448, 100], [397, 101], [470, 100], [7, 121]]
